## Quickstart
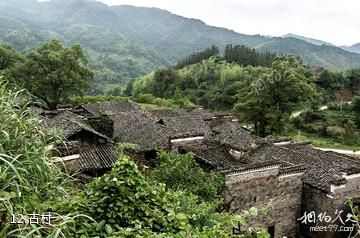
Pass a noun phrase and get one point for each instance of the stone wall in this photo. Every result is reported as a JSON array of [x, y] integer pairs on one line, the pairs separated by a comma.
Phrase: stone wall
[[258, 188], [327, 203]]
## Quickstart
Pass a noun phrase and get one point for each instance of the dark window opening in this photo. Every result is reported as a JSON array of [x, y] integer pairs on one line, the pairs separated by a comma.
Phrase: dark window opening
[[271, 231]]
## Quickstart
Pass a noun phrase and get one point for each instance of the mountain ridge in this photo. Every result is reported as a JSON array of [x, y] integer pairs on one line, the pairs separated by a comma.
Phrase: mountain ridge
[[125, 42], [308, 39], [354, 48]]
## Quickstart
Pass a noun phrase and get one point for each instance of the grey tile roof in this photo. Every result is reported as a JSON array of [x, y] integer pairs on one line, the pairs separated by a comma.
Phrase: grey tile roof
[[111, 108], [153, 130], [181, 123], [147, 135], [340, 162], [232, 134], [185, 126], [322, 169], [158, 114], [70, 124], [217, 157], [125, 119], [202, 113]]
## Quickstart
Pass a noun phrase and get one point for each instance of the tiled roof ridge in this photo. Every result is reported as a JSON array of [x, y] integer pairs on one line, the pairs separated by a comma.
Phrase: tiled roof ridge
[[251, 167], [293, 169]]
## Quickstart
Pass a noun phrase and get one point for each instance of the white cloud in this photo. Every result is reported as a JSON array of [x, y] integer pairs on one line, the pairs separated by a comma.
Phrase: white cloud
[[335, 21]]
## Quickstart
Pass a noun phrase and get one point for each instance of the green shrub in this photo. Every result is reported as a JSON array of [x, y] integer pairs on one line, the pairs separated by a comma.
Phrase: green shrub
[[181, 172], [123, 198], [298, 122], [336, 106], [310, 128], [310, 116], [125, 204], [144, 98]]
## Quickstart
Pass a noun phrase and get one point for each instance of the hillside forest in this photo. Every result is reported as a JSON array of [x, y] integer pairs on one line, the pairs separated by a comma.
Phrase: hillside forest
[[124, 42]]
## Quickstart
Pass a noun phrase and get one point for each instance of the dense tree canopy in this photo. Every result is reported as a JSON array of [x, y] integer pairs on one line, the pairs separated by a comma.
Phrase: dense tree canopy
[[335, 85], [356, 109], [353, 77], [9, 57], [197, 57], [54, 72], [269, 95], [247, 56], [262, 96]]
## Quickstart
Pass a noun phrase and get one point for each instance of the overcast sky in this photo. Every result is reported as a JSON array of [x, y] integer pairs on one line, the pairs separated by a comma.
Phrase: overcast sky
[[334, 21]]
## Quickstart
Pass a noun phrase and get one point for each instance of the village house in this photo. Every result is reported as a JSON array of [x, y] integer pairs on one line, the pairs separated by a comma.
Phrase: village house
[[295, 178]]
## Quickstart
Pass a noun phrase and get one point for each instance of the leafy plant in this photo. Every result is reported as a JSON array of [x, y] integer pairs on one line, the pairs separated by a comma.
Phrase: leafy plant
[[181, 172]]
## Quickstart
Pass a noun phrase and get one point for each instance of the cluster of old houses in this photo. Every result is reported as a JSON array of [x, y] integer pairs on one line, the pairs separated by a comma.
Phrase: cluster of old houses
[[302, 184]]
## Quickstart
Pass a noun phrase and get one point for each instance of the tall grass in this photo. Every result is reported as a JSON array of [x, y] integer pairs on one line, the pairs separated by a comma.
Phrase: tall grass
[[29, 183]]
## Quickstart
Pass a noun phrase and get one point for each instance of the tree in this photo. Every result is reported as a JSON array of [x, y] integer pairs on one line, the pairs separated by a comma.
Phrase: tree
[[269, 95], [243, 55], [54, 73], [197, 57], [348, 135], [117, 91], [9, 57], [356, 109], [129, 88], [354, 81], [164, 80], [329, 83]]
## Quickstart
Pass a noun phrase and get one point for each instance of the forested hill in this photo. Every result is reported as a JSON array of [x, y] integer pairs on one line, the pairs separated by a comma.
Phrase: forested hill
[[125, 42], [355, 48]]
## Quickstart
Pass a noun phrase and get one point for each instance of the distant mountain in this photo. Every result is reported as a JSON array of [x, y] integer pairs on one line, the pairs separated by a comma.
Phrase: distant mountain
[[310, 40], [326, 56], [124, 42], [354, 48]]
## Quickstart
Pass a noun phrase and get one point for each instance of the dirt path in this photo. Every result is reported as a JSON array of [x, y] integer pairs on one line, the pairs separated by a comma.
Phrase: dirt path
[[296, 114], [322, 108]]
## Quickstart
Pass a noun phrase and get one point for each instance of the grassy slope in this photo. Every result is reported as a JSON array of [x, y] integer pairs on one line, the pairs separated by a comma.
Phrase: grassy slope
[[332, 119], [322, 142]]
